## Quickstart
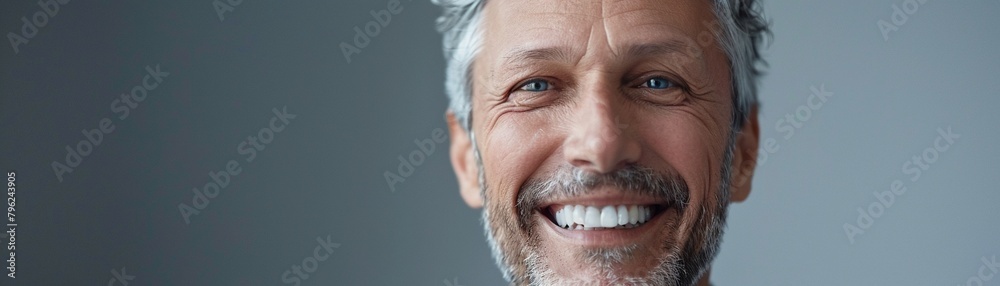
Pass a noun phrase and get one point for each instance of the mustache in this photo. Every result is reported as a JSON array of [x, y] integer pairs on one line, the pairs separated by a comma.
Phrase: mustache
[[570, 181]]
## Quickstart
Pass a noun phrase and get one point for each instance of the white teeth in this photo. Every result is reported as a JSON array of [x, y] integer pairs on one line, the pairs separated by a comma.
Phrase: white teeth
[[558, 218], [633, 214], [580, 217], [622, 215], [567, 217], [593, 217], [578, 212], [561, 217], [609, 217]]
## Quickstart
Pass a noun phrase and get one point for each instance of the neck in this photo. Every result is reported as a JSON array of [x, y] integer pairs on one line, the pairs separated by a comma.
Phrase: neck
[[703, 281]]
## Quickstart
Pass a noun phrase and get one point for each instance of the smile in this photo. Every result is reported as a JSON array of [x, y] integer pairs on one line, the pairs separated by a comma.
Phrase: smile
[[583, 217], [602, 221]]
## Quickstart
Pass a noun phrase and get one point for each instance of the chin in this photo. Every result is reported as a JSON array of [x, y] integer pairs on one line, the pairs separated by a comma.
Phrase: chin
[[632, 261]]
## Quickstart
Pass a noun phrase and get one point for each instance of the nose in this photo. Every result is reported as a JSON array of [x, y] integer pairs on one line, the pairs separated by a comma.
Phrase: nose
[[600, 139]]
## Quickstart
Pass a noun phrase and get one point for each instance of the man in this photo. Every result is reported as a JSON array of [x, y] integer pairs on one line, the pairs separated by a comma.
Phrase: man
[[603, 139]]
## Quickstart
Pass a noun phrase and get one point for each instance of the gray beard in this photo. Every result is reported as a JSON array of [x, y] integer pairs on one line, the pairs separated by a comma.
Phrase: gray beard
[[678, 268], [682, 266]]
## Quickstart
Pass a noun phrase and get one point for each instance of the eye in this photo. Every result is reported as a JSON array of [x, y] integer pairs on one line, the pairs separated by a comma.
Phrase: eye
[[535, 85], [658, 83], [660, 90]]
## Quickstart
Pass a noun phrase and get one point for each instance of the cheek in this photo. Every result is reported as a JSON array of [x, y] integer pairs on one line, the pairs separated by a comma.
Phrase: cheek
[[685, 144], [688, 150], [515, 149], [689, 145]]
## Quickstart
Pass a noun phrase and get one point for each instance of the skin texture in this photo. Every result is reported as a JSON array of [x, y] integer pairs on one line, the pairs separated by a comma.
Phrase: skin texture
[[599, 114]]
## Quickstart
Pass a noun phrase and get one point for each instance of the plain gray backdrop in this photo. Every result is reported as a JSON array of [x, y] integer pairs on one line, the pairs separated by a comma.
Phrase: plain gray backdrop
[[323, 174]]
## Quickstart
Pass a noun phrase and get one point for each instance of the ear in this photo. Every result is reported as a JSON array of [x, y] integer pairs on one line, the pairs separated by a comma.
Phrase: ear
[[464, 163], [744, 158]]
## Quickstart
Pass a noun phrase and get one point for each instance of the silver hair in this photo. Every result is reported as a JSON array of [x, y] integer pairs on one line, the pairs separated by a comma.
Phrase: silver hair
[[742, 30]]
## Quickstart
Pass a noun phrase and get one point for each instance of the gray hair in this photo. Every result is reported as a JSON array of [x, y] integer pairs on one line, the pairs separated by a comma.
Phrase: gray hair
[[741, 33]]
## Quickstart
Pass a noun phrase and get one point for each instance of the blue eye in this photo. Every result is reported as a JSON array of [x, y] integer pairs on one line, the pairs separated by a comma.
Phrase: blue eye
[[658, 83], [535, 85]]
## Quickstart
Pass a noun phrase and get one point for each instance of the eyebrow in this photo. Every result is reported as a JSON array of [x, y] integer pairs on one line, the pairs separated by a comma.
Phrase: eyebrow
[[521, 55]]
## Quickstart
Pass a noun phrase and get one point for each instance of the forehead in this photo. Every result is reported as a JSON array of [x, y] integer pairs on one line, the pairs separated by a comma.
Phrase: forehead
[[582, 25]]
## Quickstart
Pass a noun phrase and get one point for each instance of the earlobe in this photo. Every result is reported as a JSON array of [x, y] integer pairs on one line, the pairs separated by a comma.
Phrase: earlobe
[[744, 158], [463, 161]]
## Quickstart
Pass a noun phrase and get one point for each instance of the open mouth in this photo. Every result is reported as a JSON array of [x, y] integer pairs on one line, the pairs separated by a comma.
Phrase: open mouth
[[590, 217]]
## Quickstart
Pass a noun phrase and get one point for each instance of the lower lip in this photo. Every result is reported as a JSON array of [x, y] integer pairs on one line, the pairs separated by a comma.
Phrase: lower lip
[[605, 237]]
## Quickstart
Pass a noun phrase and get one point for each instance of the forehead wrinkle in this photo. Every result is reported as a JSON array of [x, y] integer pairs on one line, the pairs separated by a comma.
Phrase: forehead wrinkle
[[520, 56], [674, 50], [571, 15], [666, 47], [607, 33], [519, 59], [609, 12]]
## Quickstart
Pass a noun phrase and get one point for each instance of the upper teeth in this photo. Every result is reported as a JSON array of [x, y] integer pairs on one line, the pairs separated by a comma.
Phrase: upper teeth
[[590, 217]]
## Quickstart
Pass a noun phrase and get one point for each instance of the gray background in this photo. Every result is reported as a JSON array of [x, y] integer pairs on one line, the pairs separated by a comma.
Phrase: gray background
[[323, 175]]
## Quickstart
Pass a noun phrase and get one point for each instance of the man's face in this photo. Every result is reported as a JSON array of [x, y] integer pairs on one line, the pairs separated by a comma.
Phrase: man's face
[[602, 130]]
